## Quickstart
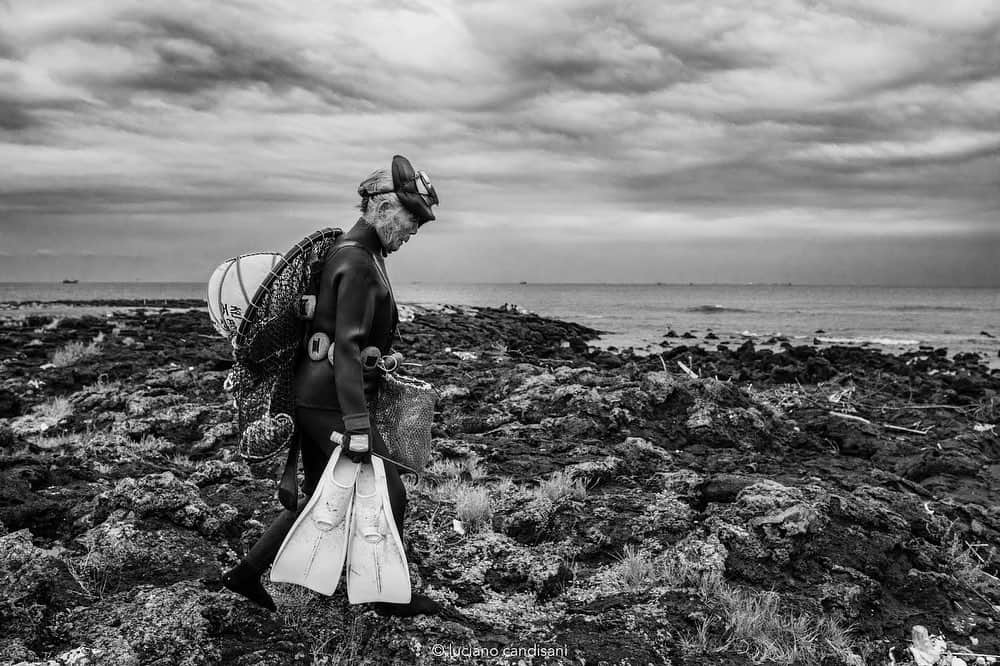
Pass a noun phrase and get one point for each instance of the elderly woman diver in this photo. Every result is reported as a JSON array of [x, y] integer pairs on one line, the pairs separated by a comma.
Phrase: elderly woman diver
[[356, 502]]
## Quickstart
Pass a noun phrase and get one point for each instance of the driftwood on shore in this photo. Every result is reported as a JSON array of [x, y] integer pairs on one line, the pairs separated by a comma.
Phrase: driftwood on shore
[[699, 506]]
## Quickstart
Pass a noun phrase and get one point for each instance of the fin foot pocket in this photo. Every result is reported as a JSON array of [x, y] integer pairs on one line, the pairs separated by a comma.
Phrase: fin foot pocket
[[377, 569], [314, 552]]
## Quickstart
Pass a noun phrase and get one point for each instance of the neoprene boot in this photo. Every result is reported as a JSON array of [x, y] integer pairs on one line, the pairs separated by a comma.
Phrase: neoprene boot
[[419, 605], [244, 579]]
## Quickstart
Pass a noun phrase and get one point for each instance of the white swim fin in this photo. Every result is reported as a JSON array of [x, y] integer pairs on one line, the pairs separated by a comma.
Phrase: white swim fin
[[313, 553], [377, 570]]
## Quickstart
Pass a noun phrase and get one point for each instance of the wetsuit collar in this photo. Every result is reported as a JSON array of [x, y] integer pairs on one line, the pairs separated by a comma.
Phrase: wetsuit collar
[[365, 234]]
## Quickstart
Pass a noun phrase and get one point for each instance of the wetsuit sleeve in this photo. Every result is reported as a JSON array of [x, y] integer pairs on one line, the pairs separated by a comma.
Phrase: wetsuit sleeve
[[356, 292]]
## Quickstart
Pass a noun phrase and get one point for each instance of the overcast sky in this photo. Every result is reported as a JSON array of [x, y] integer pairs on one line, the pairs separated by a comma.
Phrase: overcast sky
[[809, 141]]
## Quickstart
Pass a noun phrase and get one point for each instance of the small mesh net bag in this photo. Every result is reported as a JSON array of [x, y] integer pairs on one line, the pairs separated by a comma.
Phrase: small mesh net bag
[[265, 347], [404, 412]]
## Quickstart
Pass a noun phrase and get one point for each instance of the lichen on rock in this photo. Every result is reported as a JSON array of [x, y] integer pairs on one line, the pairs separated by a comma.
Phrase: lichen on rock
[[165, 497]]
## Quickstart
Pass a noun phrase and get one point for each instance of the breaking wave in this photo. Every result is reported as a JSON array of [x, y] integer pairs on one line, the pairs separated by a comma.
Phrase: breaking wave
[[714, 309], [888, 342], [929, 308]]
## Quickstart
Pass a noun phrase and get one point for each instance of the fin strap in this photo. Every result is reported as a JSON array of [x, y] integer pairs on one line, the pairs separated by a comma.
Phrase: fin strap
[[288, 491]]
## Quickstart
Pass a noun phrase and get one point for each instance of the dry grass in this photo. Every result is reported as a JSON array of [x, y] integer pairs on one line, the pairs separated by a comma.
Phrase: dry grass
[[182, 461], [986, 410], [330, 643], [473, 507], [967, 565], [151, 445], [58, 442], [74, 352], [505, 487], [754, 623], [639, 571], [98, 572], [103, 384], [471, 467], [500, 351], [450, 469], [55, 409], [561, 485], [467, 467], [444, 491]]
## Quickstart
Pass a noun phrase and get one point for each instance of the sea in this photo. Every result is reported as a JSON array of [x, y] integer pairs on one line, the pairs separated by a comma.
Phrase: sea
[[639, 316]]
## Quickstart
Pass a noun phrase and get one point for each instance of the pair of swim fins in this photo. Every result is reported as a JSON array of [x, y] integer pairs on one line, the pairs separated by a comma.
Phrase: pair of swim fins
[[348, 520]]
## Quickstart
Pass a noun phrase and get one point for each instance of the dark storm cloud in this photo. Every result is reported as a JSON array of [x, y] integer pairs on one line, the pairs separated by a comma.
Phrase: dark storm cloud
[[755, 184], [7, 50], [610, 60], [228, 62], [188, 58], [14, 117], [204, 197]]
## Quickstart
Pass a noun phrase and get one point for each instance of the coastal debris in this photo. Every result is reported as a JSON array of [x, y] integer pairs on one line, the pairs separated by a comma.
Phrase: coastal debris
[[841, 396], [928, 650], [687, 371], [887, 426], [925, 649], [851, 417], [462, 355]]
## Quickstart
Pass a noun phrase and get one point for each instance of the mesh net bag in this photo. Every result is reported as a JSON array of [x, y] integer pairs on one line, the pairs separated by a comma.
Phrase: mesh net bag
[[265, 347], [404, 412]]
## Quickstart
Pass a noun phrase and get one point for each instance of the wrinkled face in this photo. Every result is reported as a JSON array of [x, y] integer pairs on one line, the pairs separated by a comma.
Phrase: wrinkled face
[[394, 226]]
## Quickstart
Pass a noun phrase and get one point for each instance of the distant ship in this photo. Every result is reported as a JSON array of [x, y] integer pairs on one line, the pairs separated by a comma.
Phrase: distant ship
[[70, 281]]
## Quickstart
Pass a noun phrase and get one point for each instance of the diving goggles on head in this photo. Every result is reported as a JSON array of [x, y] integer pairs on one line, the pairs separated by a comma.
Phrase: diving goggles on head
[[422, 183], [414, 189], [425, 189]]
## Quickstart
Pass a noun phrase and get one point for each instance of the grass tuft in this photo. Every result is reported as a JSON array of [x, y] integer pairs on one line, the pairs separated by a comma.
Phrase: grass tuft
[[74, 352], [151, 445], [638, 569], [55, 409], [505, 487], [58, 442], [749, 622], [561, 485], [456, 469], [755, 624], [98, 572], [472, 506]]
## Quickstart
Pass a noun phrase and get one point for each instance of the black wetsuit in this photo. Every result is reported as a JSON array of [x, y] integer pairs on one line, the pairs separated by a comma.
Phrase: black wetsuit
[[356, 309]]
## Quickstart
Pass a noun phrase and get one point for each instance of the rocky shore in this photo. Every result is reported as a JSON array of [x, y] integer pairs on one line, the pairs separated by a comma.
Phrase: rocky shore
[[723, 505]]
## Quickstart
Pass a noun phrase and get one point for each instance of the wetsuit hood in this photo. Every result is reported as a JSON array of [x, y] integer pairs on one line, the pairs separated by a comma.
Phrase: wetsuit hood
[[365, 233], [413, 188]]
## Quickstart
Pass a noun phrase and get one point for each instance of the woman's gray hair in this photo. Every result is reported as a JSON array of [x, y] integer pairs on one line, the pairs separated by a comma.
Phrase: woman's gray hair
[[377, 181]]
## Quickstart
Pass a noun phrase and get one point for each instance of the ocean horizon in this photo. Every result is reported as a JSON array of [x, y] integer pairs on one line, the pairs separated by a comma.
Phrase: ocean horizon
[[200, 284], [640, 315]]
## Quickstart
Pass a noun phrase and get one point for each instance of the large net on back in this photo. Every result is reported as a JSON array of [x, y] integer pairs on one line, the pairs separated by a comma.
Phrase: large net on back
[[265, 348], [404, 413]]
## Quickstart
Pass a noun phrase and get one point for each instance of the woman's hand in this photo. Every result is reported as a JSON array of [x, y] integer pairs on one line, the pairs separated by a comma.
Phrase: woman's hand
[[357, 448]]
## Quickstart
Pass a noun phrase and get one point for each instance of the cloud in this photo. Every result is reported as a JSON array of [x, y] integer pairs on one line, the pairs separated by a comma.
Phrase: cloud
[[546, 119], [14, 117]]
